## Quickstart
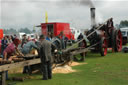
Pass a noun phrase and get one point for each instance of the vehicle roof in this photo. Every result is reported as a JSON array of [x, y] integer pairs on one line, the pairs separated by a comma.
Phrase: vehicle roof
[[55, 23], [124, 28]]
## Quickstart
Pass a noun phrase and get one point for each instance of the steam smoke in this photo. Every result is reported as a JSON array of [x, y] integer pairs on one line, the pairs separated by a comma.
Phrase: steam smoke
[[77, 2], [86, 2]]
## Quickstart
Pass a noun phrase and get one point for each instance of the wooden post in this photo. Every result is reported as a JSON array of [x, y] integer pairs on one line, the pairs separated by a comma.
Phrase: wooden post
[[3, 78]]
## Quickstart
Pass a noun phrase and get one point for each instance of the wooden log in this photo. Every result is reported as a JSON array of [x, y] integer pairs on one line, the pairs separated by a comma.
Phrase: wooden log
[[30, 56], [3, 81], [19, 64], [5, 62], [17, 59], [18, 79]]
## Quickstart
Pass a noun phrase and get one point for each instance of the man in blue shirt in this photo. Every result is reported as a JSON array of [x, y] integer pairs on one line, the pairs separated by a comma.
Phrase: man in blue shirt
[[28, 47], [26, 50], [48, 37]]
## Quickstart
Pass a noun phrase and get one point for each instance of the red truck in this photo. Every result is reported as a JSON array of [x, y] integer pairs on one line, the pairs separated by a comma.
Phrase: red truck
[[1, 36], [56, 28]]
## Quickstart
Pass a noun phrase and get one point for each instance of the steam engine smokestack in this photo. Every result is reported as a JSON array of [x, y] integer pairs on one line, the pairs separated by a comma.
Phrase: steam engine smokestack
[[93, 21]]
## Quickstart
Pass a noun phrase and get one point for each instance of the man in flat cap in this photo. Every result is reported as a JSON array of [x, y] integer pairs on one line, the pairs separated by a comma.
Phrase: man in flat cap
[[46, 58]]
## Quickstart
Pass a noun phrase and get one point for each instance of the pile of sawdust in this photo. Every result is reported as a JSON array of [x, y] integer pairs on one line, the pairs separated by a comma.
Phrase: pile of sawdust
[[76, 63], [63, 69], [15, 70], [58, 69], [66, 68]]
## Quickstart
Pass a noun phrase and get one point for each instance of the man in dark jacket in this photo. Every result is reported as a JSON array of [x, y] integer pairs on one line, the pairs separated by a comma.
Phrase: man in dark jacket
[[46, 58], [24, 40], [80, 37]]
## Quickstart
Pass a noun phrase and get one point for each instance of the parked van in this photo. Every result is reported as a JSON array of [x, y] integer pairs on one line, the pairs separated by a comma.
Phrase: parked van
[[76, 32], [124, 32]]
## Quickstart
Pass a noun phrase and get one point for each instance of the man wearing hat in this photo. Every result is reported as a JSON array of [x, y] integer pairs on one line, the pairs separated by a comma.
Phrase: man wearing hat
[[46, 58], [12, 48]]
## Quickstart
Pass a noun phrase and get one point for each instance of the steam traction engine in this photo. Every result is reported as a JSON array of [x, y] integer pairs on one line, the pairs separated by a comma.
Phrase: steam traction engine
[[105, 35]]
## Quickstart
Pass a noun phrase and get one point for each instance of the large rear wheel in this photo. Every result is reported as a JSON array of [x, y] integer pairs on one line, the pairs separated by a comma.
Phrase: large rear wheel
[[118, 41], [103, 47]]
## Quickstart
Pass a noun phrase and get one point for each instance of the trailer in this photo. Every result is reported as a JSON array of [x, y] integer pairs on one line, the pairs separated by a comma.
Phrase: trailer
[[55, 28]]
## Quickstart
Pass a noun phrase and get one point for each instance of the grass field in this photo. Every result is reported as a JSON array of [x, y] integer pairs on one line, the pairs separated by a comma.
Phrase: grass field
[[109, 70]]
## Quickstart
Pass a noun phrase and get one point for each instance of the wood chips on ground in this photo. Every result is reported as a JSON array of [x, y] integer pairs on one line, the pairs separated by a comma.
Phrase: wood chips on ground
[[66, 68], [59, 69]]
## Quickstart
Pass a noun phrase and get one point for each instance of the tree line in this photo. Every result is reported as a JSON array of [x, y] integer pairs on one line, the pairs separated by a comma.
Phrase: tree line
[[122, 24], [14, 31]]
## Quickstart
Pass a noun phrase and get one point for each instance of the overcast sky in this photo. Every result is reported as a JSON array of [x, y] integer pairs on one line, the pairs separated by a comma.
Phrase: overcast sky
[[27, 13]]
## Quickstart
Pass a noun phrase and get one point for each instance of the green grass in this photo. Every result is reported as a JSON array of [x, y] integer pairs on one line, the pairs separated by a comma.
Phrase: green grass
[[109, 70]]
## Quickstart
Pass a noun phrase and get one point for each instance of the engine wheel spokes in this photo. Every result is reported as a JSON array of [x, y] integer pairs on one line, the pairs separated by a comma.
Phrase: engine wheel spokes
[[118, 41]]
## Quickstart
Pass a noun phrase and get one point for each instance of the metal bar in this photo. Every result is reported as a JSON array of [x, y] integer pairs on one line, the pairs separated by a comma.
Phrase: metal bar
[[87, 36], [83, 50]]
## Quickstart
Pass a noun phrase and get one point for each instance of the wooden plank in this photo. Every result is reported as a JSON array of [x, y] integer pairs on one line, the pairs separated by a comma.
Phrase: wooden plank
[[3, 79], [19, 64]]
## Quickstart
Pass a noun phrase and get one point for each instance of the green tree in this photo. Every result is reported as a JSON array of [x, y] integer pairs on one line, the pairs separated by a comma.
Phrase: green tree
[[10, 31], [25, 30], [123, 23]]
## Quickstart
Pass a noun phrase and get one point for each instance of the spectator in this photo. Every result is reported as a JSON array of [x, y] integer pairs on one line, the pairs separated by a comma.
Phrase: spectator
[[9, 39], [65, 40], [29, 39], [24, 40], [80, 37], [48, 37], [4, 43], [62, 38]]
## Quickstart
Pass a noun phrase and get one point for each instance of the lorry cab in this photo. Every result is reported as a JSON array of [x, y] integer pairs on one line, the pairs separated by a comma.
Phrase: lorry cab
[[124, 32], [56, 28]]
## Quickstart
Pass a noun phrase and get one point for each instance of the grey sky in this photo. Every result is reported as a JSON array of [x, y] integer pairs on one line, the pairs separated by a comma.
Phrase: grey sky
[[27, 13]]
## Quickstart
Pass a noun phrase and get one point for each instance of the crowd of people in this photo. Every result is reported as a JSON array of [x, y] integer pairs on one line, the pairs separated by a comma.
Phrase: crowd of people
[[12, 45]]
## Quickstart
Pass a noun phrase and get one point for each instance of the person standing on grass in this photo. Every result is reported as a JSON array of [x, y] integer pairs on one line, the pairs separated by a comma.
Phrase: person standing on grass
[[46, 58]]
